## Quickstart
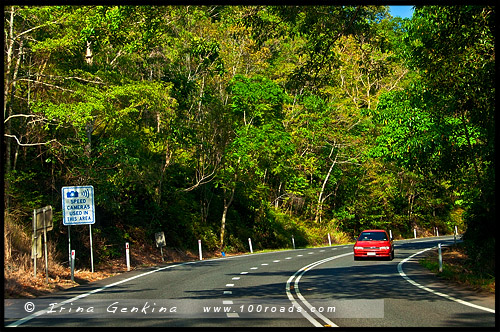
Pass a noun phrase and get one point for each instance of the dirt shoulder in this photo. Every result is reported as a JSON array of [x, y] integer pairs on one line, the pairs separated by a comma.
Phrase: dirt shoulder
[[457, 270]]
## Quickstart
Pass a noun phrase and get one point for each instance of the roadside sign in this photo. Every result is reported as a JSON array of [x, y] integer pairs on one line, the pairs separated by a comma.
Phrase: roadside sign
[[78, 205], [43, 219], [160, 239], [160, 242], [36, 246]]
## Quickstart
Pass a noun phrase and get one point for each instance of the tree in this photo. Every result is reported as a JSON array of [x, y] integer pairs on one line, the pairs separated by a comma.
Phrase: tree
[[259, 137], [443, 123]]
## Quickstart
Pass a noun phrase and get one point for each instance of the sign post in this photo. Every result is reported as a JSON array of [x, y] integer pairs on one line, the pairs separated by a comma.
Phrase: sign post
[[42, 221], [35, 243], [91, 249], [78, 209], [46, 255], [69, 244]]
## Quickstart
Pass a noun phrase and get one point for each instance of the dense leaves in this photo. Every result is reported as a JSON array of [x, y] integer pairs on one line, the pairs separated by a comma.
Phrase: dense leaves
[[442, 125]]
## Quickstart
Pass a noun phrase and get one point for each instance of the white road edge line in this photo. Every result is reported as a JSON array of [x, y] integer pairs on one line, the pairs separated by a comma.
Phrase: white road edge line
[[303, 270], [414, 283]]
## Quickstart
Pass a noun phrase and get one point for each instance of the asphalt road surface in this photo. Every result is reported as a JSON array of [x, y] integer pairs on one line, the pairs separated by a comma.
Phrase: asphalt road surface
[[293, 288]]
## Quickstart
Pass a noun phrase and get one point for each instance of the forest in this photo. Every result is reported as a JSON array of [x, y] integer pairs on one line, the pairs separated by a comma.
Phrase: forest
[[223, 123]]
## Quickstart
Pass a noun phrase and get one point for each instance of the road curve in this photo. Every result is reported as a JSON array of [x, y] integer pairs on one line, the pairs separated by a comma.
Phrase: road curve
[[294, 288]]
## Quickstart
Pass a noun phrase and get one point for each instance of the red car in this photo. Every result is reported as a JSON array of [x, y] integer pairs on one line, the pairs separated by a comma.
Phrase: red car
[[373, 243]]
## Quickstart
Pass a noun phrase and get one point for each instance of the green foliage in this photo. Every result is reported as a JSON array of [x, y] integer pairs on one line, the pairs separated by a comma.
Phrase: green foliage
[[285, 120], [443, 125]]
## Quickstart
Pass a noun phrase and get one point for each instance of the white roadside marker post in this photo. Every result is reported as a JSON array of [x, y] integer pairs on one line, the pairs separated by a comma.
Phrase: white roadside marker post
[[440, 258], [415, 232], [199, 249], [250, 244], [127, 254], [329, 240], [293, 242], [72, 265]]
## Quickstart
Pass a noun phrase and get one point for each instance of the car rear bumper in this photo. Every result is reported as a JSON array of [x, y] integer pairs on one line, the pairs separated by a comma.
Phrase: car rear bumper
[[378, 253]]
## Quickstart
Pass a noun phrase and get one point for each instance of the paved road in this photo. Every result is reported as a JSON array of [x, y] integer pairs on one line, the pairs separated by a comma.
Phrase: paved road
[[294, 288]]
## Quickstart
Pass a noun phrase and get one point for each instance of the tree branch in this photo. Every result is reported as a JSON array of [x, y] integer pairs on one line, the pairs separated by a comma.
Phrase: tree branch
[[51, 85], [20, 116], [28, 144]]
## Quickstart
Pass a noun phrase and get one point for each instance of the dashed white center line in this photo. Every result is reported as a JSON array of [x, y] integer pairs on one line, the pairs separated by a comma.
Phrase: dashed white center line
[[288, 258], [233, 315], [229, 285], [228, 292], [322, 250], [254, 268], [264, 264], [236, 278], [244, 272], [227, 302], [276, 261], [310, 253], [300, 255]]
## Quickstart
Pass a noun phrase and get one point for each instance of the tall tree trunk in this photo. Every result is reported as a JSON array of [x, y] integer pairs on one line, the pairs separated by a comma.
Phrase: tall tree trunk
[[227, 203], [319, 209], [7, 107]]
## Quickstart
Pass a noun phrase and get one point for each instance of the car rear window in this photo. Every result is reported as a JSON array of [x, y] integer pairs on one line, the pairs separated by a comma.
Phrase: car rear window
[[373, 236]]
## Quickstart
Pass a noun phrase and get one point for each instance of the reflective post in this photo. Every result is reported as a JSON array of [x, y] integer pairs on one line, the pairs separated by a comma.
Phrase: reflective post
[[72, 259], [440, 258], [127, 254]]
